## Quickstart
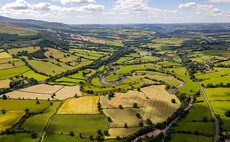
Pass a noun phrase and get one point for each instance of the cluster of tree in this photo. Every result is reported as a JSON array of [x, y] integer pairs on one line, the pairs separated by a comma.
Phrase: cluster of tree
[[221, 84], [20, 83], [157, 138]]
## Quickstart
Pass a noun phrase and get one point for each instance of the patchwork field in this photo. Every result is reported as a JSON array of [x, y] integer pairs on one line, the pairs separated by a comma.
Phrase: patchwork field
[[4, 83], [44, 92], [4, 55], [82, 105]]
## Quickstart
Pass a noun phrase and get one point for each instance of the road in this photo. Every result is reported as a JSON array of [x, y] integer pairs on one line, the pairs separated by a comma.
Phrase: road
[[216, 121]]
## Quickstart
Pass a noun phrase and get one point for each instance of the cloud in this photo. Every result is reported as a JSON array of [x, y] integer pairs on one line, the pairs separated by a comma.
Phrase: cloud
[[219, 1], [76, 1], [138, 6], [17, 5], [21, 6], [207, 10]]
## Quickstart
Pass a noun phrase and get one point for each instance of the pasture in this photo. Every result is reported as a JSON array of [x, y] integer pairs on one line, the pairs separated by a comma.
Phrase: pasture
[[81, 105], [85, 124], [121, 132], [40, 119], [179, 137], [28, 49], [7, 73]]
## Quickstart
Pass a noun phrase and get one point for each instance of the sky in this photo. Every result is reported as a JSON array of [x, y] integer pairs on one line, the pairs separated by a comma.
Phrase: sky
[[118, 11]]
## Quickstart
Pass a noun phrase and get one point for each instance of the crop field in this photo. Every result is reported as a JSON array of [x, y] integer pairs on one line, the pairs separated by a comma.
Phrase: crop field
[[4, 83], [159, 76], [44, 92], [9, 119], [81, 105], [188, 137], [67, 92], [11, 65], [43, 89], [121, 132], [40, 119], [28, 49], [77, 124], [4, 55], [46, 67], [157, 107], [7, 73], [215, 77], [189, 87]]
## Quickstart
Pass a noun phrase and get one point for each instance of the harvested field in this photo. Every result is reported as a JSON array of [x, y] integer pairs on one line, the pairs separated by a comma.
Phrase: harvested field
[[121, 132], [5, 55], [28, 95], [4, 83], [68, 92], [82, 105], [42, 89]]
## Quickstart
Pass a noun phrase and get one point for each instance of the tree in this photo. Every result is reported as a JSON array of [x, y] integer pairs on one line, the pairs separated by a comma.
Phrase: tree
[[3, 111], [227, 113], [72, 134], [138, 89], [149, 122], [37, 102], [138, 115], [91, 138], [120, 107], [205, 119], [173, 101], [34, 135], [99, 132], [135, 105], [110, 119], [4, 97], [125, 125], [141, 124]]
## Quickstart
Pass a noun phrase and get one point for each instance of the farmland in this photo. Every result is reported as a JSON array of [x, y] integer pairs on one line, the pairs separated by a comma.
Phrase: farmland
[[114, 82]]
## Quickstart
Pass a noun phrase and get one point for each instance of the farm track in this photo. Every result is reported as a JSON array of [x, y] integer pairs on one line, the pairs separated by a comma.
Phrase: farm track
[[216, 121]]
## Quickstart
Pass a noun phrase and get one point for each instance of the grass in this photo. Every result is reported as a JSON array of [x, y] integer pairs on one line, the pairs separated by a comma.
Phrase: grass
[[38, 122], [215, 77], [4, 55], [28, 49], [82, 105], [5, 83], [218, 94], [85, 124], [63, 137], [20, 137], [201, 127], [121, 132], [46, 67], [178, 137], [9, 119], [5, 74], [17, 30], [32, 74], [23, 104], [190, 87]]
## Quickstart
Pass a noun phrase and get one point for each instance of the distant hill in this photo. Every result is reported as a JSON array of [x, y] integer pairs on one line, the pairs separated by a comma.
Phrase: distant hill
[[33, 23]]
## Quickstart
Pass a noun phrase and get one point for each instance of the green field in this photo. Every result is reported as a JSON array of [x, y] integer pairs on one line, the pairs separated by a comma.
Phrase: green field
[[85, 124], [32, 74], [4, 74], [40, 119], [11, 29], [17, 137], [46, 67], [178, 137]]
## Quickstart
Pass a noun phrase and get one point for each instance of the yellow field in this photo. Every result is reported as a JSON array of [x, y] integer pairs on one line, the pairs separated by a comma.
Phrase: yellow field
[[68, 92], [42, 89], [4, 83], [121, 132], [9, 119], [154, 103], [82, 105], [28, 49], [159, 106], [4, 55]]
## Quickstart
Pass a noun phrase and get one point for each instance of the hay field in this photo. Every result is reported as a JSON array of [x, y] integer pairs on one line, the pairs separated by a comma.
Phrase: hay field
[[42, 89], [5, 55], [82, 105], [68, 92], [159, 106], [28, 95], [4, 83], [121, 132]]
